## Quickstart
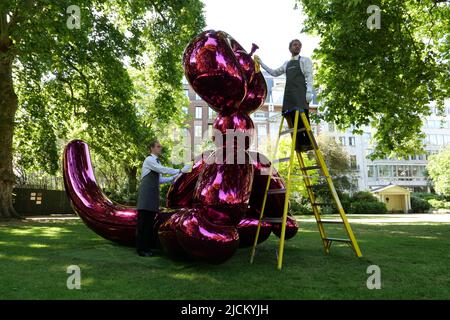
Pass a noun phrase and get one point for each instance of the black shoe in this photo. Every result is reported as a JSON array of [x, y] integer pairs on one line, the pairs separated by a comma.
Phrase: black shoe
[[145, 253]]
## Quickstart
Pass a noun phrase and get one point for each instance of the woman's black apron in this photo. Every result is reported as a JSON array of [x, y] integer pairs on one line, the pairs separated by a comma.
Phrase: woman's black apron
[[295, 99]]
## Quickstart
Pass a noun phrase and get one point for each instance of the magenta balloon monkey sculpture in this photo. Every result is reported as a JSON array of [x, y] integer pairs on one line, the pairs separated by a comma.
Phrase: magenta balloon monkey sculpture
[[214, 209]]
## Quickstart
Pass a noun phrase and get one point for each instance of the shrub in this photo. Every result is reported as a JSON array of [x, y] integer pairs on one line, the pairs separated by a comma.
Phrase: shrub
[[427, 196], [439, 204], [419, 205], [346, 201], [368, 207], [363, 196], [299, 208]]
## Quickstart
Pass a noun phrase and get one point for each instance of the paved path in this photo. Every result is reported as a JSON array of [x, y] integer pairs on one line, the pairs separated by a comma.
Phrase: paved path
[[391, 218]]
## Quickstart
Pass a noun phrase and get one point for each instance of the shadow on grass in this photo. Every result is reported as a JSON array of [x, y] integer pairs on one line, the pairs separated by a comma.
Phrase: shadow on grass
[[34, 257]]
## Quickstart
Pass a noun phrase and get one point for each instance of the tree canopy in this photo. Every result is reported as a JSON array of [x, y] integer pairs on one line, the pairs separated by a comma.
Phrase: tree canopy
[[107, 72], [384, 77], [439, 170]]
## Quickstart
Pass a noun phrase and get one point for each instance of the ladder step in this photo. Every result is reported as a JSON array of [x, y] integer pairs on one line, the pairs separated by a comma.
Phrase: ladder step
[[281, 160], [323, 204], [291, 130], [331, 221], [295, 177], [338, 240], [276, 191], [311, 168]]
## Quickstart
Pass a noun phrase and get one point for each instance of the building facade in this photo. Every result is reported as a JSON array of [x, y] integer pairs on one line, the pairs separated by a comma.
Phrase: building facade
[[369, 175]]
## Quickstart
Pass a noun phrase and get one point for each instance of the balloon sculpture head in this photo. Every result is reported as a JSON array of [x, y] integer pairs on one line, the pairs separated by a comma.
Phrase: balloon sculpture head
[[223, 73], [215, 207]]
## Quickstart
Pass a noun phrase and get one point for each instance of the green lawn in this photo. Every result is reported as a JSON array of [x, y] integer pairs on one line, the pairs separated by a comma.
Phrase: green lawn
[[413, 258]]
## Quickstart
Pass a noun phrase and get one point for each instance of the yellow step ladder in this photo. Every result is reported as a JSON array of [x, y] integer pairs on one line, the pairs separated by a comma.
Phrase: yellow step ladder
[[307, 178]]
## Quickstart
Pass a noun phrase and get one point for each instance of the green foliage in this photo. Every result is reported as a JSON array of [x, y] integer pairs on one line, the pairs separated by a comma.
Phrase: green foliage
[[383, 77], [419, 205], [115, 82], [438, 168], [427, 195], [108, 271], [371, 207], [364, 196], [439, 204]]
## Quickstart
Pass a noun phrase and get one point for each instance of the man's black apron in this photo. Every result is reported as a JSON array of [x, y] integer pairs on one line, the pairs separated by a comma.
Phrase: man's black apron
[[148, 198], [295, 99], [147, 206]]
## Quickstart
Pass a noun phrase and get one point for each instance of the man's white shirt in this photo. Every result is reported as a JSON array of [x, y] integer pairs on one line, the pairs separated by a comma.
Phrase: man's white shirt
[[305, 65], [151, 164]]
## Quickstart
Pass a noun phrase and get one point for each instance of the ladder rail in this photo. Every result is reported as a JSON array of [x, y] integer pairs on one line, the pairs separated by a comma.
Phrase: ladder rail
[[312, 199], [307, 178], [261, 214], [288, 191], [326, 173]]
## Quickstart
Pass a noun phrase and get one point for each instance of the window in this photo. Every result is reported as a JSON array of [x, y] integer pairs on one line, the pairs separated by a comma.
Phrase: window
[[403, 171], [353, 163], [260, 115], [351, 141], [433, 139], [186, 93], [185, 110], [198, 112], [331, 127], [210, 113], [210, 130], [385, 171], [447, 140], [197, 97], [262, 130], [342, 141], [370, 171], [198, 131]]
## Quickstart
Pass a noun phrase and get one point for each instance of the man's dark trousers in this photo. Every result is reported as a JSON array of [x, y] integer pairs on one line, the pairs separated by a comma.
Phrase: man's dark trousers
[[145, 224], [302, 141]]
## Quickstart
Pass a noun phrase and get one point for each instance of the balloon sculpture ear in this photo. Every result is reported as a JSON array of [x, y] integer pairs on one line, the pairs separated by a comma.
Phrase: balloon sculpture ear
[[254, 48]]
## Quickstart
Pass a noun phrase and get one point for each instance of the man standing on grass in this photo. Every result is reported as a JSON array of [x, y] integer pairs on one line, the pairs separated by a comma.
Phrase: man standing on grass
[[148, 199]]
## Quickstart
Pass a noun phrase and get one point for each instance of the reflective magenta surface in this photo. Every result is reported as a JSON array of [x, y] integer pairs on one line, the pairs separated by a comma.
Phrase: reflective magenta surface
[[215, 207]]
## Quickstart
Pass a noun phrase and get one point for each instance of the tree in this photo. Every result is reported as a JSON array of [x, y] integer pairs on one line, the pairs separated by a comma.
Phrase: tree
[[338, 163], [63, 73], [439, 169], [384, 76], [335, 156]]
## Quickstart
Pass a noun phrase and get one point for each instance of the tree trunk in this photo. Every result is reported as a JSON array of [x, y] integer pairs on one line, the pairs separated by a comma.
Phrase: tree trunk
[[132, 181], [8, 107]]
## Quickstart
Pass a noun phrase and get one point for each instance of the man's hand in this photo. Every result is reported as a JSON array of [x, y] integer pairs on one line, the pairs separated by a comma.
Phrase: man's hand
[[187, 168], [257, 58], [308, 96]]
